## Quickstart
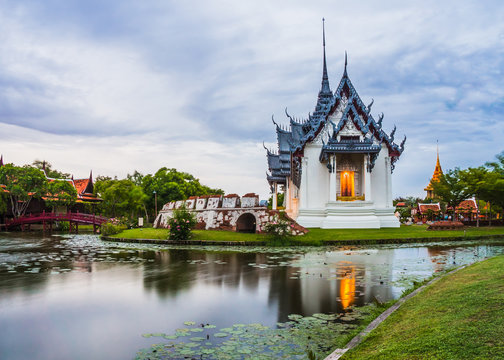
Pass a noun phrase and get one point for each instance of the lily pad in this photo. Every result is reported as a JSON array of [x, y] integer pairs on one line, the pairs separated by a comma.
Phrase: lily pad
[[197, 338]]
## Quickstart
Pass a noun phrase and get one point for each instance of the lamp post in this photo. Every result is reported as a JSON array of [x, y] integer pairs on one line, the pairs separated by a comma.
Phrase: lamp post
[[155, 201]]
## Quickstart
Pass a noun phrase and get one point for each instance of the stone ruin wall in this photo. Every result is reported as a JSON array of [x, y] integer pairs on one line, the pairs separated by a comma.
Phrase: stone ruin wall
[[216, 212]]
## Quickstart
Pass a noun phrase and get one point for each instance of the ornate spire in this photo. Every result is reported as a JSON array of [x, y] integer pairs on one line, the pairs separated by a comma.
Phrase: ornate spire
[[325, 89], [437, 169], [346, 62], [1, 160], [438, 172]]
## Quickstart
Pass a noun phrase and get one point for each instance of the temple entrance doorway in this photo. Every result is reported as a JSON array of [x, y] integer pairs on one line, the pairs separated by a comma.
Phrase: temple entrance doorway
[[246, 223], [347, 183]]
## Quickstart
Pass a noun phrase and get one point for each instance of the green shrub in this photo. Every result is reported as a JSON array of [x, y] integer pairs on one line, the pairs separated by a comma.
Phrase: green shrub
[[62, 226], [279, 232], [111, 228], [180, 224]]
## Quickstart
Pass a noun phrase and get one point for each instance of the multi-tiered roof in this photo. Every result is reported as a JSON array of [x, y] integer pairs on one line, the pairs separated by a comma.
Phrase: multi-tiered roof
[[436, 176], [285, 162]]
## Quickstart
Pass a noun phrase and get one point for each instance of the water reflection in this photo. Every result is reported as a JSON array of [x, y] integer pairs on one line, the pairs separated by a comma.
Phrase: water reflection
[[107, 295]]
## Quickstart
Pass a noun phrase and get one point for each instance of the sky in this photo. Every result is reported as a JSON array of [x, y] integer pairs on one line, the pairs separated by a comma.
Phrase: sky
[[117, 86]]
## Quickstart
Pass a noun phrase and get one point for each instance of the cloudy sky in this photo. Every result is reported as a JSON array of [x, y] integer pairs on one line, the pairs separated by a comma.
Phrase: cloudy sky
[[118, 86]]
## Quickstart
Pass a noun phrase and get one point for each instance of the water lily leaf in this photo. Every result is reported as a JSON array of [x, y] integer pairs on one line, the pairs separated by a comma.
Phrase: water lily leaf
[[197, 338], [192, 344], [221, 334], [189, 323], [294, 317]]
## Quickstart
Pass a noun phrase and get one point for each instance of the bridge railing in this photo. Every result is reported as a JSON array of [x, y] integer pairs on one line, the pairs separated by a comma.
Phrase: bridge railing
[[69, 216]]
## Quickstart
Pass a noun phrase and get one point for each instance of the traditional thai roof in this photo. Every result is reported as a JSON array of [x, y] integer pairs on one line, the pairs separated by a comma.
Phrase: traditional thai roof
[[438, 172], [84, 188], [469, 205], [423, 208], [292, 139]]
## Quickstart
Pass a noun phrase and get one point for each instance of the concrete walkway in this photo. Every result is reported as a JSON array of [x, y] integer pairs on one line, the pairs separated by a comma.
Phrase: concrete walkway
[[338, 353]]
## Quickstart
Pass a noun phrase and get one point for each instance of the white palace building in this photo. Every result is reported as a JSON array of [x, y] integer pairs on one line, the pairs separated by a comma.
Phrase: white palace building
[[336, 166]]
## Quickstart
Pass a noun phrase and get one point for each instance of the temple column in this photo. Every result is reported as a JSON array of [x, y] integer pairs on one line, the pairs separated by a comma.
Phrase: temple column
[[367, 180], [332, 179], [287, 200], [389, 183], [303, 196], [274, 204], [388, 179]]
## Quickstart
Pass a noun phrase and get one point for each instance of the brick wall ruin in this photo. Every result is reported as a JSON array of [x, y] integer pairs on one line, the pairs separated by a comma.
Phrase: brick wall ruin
[[230, 212]]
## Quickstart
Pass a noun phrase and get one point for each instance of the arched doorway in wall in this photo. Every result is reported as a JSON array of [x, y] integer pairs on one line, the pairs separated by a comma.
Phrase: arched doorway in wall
[[246, 223]]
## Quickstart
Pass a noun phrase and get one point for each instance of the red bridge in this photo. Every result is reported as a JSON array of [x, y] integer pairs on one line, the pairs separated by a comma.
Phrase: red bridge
[[45, 219]]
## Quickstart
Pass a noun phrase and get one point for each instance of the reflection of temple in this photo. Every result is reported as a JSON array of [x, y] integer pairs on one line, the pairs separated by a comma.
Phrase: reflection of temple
[[336, 165], [306, 287]]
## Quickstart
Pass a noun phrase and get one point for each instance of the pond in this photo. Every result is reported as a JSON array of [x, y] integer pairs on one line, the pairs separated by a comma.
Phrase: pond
[[77, 297]]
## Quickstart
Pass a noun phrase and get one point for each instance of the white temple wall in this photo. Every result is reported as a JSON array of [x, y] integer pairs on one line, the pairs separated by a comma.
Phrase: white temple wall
[[318, 177], [378, 179]]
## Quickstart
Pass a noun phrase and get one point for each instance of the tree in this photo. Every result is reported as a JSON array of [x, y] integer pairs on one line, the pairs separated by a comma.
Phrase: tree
[[451, 188], [170, 184], [49, 171], [475, 181], [120, 197], [23, 184], [136, 178], [280, 200], [494, 189], [3, 202], [60, 193], [497, 166]]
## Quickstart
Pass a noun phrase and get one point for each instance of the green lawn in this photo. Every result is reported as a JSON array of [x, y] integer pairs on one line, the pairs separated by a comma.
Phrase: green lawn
[[460, 316], [319, 236], [212, 235]]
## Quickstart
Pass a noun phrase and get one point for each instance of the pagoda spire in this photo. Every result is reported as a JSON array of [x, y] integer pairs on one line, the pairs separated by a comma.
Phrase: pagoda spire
[[1, 160], [325, 89], [438, 173], [437, 169]]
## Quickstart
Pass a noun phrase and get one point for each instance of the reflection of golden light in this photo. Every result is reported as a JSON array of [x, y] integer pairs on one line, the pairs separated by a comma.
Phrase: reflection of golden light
[[347, 289]]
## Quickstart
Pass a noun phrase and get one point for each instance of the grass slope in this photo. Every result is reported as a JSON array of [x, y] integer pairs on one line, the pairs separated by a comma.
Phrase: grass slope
[[459, 317], [318, 236]]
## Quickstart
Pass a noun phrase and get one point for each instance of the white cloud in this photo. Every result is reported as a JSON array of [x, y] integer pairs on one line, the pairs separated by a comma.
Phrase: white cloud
[[193, 85]]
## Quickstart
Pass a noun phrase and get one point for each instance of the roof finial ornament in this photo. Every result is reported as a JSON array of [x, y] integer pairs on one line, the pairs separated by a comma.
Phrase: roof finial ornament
[[380, 119], [273, 119], [369, 106], [346, 62], [286, 113], [392, 134], [325, 78], [1, 160], [402, 144]]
